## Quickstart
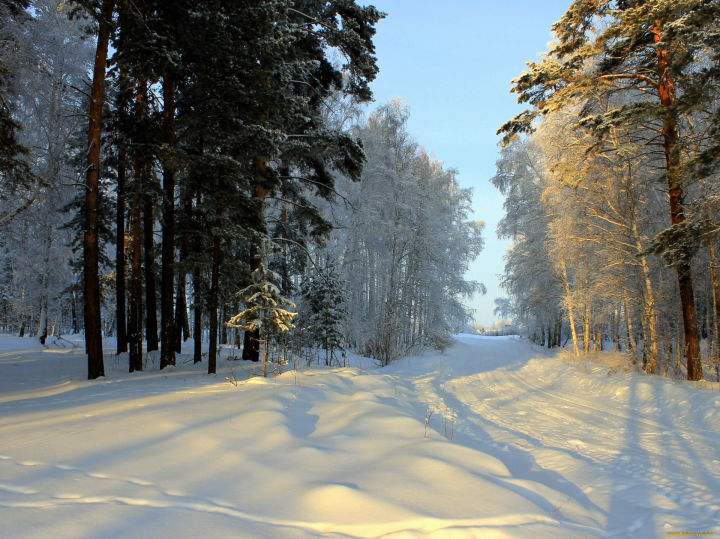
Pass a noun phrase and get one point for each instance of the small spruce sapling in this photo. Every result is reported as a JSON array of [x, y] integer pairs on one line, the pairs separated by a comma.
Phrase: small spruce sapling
[[266, 310], [325, 317]]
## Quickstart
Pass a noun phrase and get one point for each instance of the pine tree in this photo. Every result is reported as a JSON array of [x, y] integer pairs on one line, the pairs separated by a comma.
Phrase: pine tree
[[93, 326], [266, 310]]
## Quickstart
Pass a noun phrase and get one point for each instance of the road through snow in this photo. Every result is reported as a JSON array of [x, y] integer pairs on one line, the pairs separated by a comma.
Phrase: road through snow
[[641, 454], [492, 438]]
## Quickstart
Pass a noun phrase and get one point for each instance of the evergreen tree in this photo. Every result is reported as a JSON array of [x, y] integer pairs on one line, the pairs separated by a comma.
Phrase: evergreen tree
[[91, 249], [324, 315], [266, 310]]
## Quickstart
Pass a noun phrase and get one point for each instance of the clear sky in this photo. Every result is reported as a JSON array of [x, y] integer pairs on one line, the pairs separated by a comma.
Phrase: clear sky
[[453, 61]]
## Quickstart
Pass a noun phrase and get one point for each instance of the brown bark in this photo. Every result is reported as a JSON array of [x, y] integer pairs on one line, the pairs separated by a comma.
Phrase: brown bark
[[666, 91], [715, 276], [167, 352], [135, 315], [135, 300], [91, 246], [122, 340], [151, 324]]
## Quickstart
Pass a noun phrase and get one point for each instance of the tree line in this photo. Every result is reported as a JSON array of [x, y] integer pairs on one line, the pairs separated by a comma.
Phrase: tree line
[[174, 169], [611, 184]]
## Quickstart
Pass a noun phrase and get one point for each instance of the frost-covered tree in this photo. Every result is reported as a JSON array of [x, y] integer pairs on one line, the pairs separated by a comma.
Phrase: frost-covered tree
[[406, 242], [648, 68], [531, 278], [51, 61]]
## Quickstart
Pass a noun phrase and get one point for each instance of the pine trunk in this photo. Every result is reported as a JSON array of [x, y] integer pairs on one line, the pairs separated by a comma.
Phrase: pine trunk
[[167, 352], [135, 314], [214, 294], [666, 91], [122, 339], [91, 244], [197, 315], [135, 300], [181, 331], [251, 348], [151, 324], [715, 275]]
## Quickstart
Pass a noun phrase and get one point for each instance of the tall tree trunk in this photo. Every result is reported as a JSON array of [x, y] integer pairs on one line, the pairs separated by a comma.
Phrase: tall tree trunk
[[214, 294], [181, 330], [197, 313], [167, 352], [265, 352], [182, 323], [616, 331], [122, 338], [151, 324], [135, 303], [73, 312], [42, 330], [715, 275], [251, 348], [650, 349], [199, 302], [571, 314], [630, 333], [135, 315], [91, 245], [44, 300], [666, 91], [586, 330]]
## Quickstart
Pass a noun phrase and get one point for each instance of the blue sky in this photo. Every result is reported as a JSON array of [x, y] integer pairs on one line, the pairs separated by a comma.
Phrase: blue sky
[[453, 61]]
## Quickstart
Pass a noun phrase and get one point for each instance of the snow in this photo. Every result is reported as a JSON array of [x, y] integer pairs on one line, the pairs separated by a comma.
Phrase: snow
[[492, 438]]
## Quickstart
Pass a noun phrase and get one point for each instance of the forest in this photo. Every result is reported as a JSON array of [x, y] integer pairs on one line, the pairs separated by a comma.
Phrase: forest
[[611, 184], [180, 169]]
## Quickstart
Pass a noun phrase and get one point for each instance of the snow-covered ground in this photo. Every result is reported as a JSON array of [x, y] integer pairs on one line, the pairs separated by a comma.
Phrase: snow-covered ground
[[493, 438]]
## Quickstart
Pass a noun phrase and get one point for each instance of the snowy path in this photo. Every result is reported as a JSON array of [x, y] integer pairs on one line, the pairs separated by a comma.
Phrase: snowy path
[[630, 446], [491, 439]]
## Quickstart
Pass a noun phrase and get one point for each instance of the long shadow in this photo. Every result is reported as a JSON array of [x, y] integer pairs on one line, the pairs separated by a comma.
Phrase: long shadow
[[710, 483], [113, 388], [628, 494]]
